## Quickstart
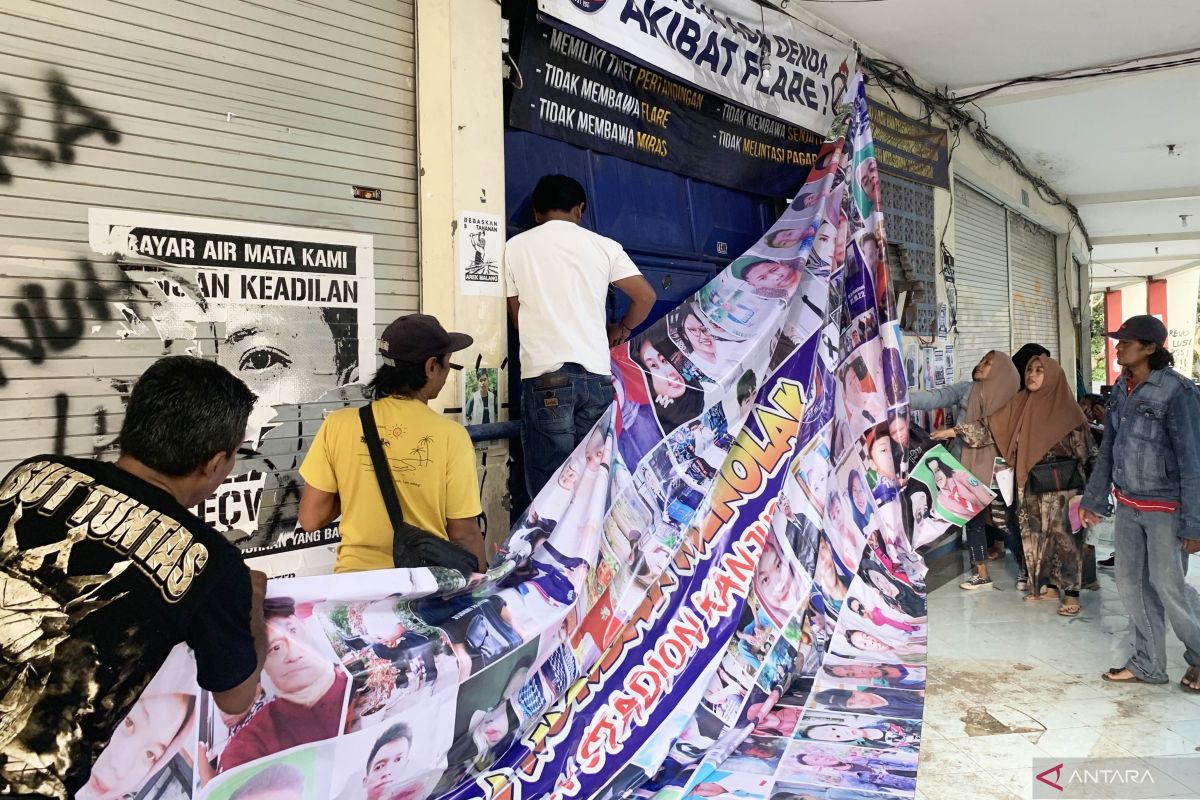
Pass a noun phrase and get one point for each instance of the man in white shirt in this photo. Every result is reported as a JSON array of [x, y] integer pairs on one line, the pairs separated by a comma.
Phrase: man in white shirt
[[558, 276]]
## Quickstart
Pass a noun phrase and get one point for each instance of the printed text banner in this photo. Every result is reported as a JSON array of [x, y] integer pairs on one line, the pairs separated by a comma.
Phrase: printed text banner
[[718, 46], [288, 310], [578, 92], [910, 148]]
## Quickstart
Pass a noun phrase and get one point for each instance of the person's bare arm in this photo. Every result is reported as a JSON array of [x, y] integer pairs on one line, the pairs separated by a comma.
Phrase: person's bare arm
[[318, 508], [641, 300], [467, 534], [514, 310], [238, 699]]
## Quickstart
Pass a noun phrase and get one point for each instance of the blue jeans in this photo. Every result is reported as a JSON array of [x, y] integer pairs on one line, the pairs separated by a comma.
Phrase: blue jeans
[[1151, 569], [558, 410]]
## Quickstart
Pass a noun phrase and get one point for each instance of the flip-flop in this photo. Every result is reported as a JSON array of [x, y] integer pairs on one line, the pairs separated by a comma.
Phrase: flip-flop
[[1193, 673], [1072, 610], [1109, 677]]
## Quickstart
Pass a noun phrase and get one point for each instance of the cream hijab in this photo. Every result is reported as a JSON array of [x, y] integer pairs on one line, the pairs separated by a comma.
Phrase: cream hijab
[[988, 396]]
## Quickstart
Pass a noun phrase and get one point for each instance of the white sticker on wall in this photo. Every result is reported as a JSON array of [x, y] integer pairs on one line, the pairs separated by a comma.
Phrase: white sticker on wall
[[480, 253]]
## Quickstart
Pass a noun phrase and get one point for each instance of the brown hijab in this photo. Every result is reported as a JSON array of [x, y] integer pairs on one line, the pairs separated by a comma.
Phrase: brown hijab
[[988, 396], [1033, 422]]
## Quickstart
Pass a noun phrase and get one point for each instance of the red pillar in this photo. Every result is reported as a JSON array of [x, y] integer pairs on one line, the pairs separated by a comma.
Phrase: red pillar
[[1156, 299], [1112, 321]]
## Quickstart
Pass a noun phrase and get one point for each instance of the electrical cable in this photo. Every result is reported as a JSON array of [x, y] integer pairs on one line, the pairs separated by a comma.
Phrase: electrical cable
[[520, 82], [1073, 76], [954, 116]]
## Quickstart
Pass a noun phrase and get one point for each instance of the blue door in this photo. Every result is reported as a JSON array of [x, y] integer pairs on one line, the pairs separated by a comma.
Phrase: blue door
[[679, 231]]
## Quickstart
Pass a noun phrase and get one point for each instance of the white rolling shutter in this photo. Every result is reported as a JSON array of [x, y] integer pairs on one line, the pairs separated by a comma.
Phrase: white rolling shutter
[[1034, 280], [981, 278], [268, 111]]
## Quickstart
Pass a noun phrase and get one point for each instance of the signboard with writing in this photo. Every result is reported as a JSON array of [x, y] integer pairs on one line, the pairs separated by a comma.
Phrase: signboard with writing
[[291, 311], [737, 49], [909, 147], [583, 94]]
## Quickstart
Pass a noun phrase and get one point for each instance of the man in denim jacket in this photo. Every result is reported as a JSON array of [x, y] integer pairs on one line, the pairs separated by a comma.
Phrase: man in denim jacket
[[1150, 458]]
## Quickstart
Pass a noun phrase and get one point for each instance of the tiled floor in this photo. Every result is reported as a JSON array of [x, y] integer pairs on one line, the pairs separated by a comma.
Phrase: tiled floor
[[1011, 681]]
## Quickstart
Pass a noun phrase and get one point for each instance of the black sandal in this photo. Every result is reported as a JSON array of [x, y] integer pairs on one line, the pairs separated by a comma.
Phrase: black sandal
[[1192, 674]]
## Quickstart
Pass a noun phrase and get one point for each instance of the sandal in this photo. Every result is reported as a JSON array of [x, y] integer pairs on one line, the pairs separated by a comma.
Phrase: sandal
[[1069, 609], [1111, 677], [1192, 674], [1045, 594]]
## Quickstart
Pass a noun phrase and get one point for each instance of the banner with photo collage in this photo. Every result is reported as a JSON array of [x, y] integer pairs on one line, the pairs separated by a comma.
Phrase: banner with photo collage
[[714, 597]]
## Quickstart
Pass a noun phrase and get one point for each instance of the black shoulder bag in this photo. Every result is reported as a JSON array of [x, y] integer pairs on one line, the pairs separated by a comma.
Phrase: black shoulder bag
[[411, 546], [1059, 475]]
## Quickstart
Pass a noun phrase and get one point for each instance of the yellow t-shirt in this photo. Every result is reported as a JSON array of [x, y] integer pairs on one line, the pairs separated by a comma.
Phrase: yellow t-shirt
[[433, 464]]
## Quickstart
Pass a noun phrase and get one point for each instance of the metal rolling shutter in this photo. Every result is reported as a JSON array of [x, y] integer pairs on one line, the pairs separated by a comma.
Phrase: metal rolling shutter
[[1034, 281], [981, 278], [263, 111]]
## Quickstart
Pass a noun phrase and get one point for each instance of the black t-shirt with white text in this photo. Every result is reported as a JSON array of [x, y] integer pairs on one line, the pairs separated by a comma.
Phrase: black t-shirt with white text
[[101, 575]]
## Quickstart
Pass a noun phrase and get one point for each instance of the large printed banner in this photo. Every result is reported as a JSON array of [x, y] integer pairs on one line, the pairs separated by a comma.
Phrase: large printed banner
[[909, 147], [584, 94], [714, 597], [718, 45], [288, 310]]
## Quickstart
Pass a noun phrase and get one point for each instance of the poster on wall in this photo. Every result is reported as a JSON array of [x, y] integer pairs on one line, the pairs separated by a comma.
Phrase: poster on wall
[[718, 46], [723, 557], [290, 311], [480, 239], [593, 97], [481, 399], [910, 148]]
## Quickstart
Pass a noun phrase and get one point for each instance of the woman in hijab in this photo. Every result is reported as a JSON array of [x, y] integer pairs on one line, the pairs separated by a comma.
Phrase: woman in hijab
[[1041, 424], [994, 382], [1021, 358], [860, 501]]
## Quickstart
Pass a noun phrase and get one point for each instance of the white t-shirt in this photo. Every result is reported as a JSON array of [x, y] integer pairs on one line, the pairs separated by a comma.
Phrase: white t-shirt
[[561, 272]]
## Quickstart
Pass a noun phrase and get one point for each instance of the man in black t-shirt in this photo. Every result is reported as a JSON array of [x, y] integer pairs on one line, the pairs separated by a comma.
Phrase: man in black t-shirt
[[103, 570]]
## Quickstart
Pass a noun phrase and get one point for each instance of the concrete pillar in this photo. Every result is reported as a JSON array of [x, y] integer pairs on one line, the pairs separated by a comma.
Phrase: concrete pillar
[[1156, 299], [460, 140]]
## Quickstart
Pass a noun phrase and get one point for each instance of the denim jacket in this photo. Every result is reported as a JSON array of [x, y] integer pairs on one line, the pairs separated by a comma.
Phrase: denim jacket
[[1151, 447]]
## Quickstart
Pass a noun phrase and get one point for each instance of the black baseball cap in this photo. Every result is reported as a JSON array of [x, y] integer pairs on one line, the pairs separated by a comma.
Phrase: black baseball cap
[[413, 338], [1143, 328]]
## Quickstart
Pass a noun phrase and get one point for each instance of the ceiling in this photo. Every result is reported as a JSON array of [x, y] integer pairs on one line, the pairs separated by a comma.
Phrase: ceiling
[[1101, 142]]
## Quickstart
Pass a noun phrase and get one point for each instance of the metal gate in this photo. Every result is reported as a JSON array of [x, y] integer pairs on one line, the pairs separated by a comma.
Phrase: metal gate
[[981, 278], [1034, 279], [266, 112]]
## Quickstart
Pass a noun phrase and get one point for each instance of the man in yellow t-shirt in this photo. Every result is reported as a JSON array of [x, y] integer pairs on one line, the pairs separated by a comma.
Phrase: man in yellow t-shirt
[[431, 457]]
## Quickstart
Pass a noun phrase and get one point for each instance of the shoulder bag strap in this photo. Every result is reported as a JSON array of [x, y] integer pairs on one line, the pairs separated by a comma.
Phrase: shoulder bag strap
[[383, 474]]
